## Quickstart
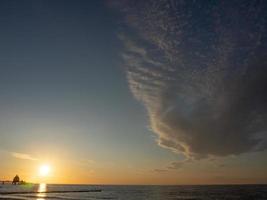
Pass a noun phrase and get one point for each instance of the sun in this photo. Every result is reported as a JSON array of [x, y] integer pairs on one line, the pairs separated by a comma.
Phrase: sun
[[44, 170]]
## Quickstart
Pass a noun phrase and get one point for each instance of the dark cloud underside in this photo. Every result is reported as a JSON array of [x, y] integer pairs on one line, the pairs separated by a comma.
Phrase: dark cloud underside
[[200, 69]]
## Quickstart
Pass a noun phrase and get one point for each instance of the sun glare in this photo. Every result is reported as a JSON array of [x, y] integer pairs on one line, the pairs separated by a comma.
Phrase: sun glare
[[44, 170]]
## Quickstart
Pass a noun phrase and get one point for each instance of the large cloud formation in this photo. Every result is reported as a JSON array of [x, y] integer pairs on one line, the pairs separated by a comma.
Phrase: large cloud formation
[[200, 69]]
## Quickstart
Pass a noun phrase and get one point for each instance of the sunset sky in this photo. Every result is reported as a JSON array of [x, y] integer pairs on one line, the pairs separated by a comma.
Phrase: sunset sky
[[116, 92]]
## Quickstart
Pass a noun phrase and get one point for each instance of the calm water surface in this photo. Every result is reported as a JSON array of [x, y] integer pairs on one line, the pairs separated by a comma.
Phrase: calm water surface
[[230, 192]]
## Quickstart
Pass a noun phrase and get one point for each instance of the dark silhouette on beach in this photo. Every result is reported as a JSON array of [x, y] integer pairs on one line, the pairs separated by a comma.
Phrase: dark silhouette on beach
[[15, 180]]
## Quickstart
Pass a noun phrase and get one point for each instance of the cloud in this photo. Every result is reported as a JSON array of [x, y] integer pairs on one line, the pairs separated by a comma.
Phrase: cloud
[[160, 170], [179, 164], [201, 72], [23, 156], [175, 165]]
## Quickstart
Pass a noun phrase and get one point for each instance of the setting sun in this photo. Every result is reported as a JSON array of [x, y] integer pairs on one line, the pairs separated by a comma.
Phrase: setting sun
[[44, 170]]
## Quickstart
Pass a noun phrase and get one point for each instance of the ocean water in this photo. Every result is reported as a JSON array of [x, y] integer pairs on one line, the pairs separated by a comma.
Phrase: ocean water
[[217, 192]]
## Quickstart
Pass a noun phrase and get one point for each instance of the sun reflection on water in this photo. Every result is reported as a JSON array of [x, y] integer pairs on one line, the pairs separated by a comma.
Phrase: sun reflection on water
[[41, 189]]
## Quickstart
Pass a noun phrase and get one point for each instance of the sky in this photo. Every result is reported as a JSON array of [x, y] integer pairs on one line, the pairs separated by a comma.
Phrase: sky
[[133, 92]]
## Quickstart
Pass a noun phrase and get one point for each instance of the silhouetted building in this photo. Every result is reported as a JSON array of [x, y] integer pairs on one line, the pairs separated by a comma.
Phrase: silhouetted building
[[15, 180]]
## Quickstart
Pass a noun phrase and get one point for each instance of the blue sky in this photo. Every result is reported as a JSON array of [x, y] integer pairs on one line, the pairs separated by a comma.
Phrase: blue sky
[[61, 68]]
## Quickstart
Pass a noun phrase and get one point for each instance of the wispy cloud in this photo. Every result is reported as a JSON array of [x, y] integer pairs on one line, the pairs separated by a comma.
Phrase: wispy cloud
[[23, 156], [179, 164], [201, 77], [160, 170], [175, 165]]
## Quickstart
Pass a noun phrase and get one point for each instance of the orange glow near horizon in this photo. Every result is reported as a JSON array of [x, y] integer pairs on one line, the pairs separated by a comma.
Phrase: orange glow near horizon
[[61, 170]]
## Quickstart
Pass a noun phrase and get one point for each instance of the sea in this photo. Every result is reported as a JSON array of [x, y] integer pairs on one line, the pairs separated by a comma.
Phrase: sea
[[105, 192]]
